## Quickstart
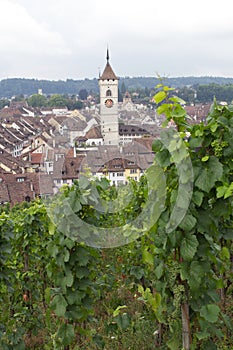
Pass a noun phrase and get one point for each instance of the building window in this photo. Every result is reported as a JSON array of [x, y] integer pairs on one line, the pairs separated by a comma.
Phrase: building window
[[133, 171], [108, 92], [20, 179], [120, 174]]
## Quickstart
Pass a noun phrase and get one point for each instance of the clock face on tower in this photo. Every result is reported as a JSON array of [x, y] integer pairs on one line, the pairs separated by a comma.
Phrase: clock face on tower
[[109, 103]]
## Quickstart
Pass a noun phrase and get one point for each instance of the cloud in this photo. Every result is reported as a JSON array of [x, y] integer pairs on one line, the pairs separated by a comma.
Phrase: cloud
[[21, 33], [68, 38]]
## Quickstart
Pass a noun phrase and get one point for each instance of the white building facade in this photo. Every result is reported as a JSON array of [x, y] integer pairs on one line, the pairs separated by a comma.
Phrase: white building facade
[[108, 85]]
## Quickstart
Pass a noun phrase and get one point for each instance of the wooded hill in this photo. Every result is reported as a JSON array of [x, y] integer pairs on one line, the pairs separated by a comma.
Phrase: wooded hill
[[20, 86]]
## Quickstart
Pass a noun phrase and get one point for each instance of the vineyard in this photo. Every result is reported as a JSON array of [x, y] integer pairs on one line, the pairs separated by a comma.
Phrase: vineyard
[[97, 268]]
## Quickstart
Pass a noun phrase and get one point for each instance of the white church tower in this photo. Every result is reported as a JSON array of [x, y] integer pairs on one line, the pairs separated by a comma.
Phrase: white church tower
[[108, 84]]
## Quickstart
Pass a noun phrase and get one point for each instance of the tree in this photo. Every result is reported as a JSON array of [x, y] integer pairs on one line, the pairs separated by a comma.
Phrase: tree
[[120, 96], [123, 89], [37, 100], [147, 92], [57, 101], [74, 104], [188, 94], [4, 102], [83, 94], [18, 98]]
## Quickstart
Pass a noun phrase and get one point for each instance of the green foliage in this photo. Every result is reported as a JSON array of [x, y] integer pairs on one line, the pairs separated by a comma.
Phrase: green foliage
[[37, 100], [26, 278], [196, 253], [59, 291], [4, 102], [57, 100], [206, 87], [206, 93], [83, 94], [5, 251], [30, 297]]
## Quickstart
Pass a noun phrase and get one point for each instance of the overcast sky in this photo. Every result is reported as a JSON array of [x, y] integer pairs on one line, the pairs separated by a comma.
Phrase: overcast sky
[[67, 39]]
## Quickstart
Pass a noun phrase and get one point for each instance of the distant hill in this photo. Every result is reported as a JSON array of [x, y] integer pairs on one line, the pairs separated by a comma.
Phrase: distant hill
[[18, 86]]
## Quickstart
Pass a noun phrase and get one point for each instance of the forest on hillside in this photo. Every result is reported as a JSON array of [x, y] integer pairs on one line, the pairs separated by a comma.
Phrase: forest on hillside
[[22, 86]]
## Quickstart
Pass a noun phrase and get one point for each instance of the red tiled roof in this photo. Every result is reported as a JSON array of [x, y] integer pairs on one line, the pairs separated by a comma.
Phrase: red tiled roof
[[146, 141], [108, 73], [68, 168], [198, 112], [94, 133], [16, 188], [119, 164], [37, 158]]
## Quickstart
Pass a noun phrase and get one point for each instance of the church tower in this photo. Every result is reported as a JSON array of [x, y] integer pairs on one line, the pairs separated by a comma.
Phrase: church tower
[[108, 85]]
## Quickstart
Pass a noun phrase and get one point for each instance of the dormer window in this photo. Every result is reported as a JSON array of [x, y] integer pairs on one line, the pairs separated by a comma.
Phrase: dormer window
[[20, 179], [108, 92]]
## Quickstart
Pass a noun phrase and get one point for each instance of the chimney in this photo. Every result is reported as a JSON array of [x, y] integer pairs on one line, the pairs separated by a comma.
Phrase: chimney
[[75, 153]]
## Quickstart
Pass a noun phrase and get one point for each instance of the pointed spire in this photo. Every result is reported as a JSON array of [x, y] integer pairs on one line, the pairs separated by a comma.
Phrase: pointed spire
[[108, 72]]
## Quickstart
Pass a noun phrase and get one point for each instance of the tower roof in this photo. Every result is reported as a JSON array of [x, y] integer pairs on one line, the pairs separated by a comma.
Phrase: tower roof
[[108, 71]]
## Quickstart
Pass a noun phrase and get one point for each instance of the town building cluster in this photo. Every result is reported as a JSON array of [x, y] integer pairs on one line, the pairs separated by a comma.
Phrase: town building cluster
[[43, 149]]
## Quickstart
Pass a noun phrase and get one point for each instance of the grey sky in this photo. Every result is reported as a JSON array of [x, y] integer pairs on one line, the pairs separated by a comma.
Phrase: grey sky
[[60, 39]]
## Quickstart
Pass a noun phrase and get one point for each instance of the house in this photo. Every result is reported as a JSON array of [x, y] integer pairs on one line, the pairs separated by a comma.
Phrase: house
[[148, 120], [127, 103], [17, 188], [198, 112], [118, 163], [130, 132], [11, 164], [66, 170], [69, 127], [119, 170], [11, 140], [92, 138]]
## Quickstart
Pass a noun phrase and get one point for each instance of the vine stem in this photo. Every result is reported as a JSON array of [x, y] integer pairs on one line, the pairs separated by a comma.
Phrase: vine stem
[[186, 334]]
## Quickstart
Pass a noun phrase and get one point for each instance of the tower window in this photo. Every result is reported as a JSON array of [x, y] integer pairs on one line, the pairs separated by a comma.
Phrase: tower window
[[108, 92]]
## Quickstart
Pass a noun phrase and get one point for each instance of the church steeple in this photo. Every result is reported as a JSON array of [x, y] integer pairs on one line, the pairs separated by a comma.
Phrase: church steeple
[[108, 73], [108, 84]]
